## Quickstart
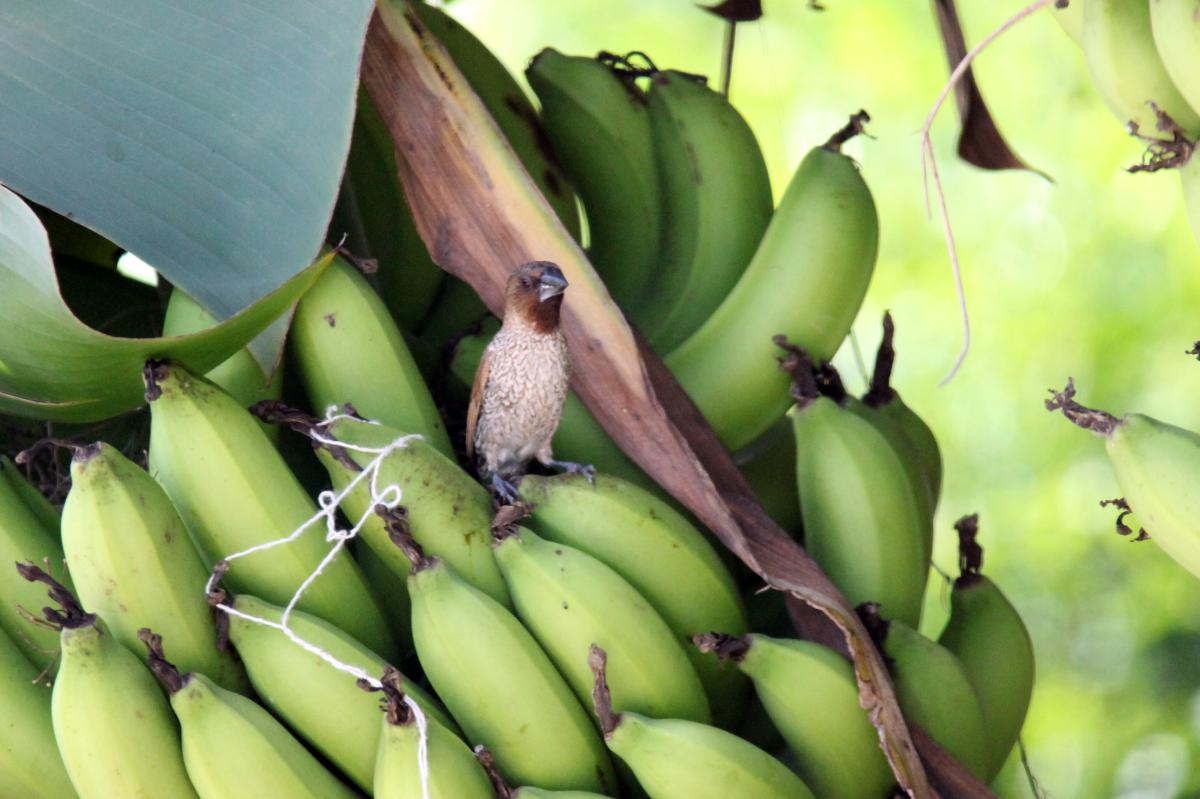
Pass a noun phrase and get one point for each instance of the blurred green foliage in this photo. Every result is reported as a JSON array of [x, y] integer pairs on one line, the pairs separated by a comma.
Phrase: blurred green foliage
[[1094, 275]]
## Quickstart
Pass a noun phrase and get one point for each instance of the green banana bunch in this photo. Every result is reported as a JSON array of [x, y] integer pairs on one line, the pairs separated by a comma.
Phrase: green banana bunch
[[1176, 32], [112, 725], [240, 376], [500, 686], [234, 492], [862, 521], [134, 565], [811, 696], [807, 280], [1154, 462], [934, 691], [987, 635], [596, 120], [1126, 67], [505, 100], [448, 513], [320, 702], [681, 759], [579, 436], [232, 747], [716, 203], [349, 350], [761, 463], [568, 599], [28, 532], [665, 558], [30, 765], [453, 772]]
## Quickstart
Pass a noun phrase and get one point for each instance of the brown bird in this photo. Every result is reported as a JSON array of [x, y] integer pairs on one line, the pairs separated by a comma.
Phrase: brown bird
[[521, 383]]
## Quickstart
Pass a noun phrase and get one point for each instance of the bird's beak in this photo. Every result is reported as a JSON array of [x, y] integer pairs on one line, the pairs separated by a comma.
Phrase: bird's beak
[[551, 284]]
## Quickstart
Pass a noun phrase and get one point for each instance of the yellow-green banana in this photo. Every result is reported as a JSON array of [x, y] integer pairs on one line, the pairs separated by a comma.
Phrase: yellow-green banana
[[25, 536], [934, 691], [1126, 68], [235, 749], [597, 123], [1176, 31], [133, 563], [862, 520], [716, 203], [452, 772], [349, 350], [112, 724], [987, 635], [570, 600], [34, 499], [501, 687], [240, 376], [320, 702], [1156, 466], [30, 765], [448, 513], [660, 553], [234, 492], [810, 694], [806, 281], [1070, 19], [681, 759], [528, 792]]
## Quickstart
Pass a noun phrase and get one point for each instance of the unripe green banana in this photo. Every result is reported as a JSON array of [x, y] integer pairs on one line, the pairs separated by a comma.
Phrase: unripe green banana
[[448, 513], [320, 702], [233, 748], [234, 492], [349, 350], [390, 587], [817, 254], [134, 564], [579, 437], [681, 759], [240, 376], [862, 521], [34, 499], [811, 696], [660, 553], [1126, 68], [111, 722], [1176, 31], [501, 687], [505, 100], [598, 125], [934, 692], [528, 792], [761, 463], [716, 203], [1070, 19], [987, 635], [24, 536], [452, 772], [569, 600], [1155, 464], [30, 765]]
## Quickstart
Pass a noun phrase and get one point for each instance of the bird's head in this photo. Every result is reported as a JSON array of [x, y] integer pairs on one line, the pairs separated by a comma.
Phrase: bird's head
[[535, 291]]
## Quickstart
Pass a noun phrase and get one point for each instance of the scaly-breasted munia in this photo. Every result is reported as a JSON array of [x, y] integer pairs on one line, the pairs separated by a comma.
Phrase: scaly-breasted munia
[[521, 384]]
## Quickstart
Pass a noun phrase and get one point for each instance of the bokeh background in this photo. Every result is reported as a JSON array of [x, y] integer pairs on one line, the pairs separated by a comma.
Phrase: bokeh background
[[1093, 275]]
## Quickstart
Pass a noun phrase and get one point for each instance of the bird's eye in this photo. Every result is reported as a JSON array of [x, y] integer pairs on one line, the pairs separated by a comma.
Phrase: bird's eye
[[526, 282]]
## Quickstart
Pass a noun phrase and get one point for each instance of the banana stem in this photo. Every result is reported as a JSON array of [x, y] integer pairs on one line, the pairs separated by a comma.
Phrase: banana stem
[[505, 524], [163, 669], [72, 616], [799, 366], [970, 553], [881, 391], [484, 756], [395, 521], [1087, 418], [397, 711], [848, 131], [726, 647], [727, 57]]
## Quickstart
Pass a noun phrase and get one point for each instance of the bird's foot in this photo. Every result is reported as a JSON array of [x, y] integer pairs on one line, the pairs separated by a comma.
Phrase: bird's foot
[[505, 490], [569, 467]]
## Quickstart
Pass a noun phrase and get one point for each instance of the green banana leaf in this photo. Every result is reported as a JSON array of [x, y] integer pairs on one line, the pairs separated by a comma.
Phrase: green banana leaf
[[54, 367], [206, 137]]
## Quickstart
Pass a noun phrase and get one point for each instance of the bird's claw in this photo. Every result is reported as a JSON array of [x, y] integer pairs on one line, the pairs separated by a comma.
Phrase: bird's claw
[[506, 491], [569, 467]]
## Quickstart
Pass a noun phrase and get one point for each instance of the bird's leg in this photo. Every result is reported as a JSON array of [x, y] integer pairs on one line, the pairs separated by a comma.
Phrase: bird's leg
[[504, 489], [569, 467]]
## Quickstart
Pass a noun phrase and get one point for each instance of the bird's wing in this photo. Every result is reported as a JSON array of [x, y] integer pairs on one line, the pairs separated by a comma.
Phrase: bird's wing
[[481, 378]]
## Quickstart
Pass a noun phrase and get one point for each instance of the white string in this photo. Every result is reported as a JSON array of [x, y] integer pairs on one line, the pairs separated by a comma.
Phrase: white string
[[328, 503]]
